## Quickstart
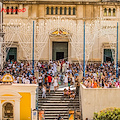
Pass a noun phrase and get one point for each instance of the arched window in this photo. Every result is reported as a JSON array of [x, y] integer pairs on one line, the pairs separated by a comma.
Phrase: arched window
[[113, 11], [105, 12], [7, 110], [69, 10], [12, 10], [56, 10], [16, 10], [109, 12], [60, 10], [51, 10], [74, 11], [65, 11], [7, 10], [47, 10]]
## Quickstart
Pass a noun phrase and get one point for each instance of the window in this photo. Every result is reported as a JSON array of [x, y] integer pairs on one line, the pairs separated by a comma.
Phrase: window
[[113, 11], [56, 10], [60, 10], [109, 12], [105, 12], [51, 10], [74, 11], [7, 110], [16, 10], [65, 11], [47, 10], [69, 10], [11, 10], [7, 10]]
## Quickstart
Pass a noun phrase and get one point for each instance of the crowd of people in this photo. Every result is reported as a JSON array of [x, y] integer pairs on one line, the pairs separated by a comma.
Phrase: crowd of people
[[101, 76], [61, 72], [69, 93], [53, 73]]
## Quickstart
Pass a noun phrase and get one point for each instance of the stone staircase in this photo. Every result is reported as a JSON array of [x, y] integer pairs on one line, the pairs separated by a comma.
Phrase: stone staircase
[[56, 104]]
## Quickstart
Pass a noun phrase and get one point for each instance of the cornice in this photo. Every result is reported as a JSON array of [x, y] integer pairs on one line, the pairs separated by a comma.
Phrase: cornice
[[60, 2]]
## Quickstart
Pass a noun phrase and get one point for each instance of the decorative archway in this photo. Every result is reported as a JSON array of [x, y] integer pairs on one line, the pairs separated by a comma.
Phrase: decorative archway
[[12, 97]]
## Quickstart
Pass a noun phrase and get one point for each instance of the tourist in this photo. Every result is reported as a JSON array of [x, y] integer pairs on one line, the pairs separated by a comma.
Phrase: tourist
[[44, 92], [77, 88], [40, 81], [55, 83], [72, 96], [69, 92], [69, 81], [65, 93], [66, 80], [49, 79], [27, 81], [48, 88], [59, 117]]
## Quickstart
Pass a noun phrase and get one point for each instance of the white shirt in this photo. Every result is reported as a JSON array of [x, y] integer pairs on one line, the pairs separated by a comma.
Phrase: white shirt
[[27, 81]]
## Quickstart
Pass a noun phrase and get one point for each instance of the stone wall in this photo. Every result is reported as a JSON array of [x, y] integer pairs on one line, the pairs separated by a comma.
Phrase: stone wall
[[95, 100]]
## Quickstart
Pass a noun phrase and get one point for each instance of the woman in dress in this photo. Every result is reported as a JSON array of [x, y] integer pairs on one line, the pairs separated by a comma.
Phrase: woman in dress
[[55, 83], [66, 80], [58, 67]]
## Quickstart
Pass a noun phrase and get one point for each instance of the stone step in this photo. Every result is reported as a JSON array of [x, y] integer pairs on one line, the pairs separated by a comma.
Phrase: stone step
[[44, 106], [53, 109], [57, 109], [57, 99], [61, 95], [64, 101], [58, 104], [51, 118], [56, 112], [55, 104], [56, 92]]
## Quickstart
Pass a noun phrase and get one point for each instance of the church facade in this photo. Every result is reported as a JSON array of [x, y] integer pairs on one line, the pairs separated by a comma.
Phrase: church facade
[[60, 28]]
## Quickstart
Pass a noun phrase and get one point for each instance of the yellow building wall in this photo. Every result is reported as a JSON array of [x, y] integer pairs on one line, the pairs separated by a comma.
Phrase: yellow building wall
[[25, 106]]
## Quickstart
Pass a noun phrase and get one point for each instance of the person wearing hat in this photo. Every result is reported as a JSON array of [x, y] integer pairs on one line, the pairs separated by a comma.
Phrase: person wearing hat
[[59, 117]]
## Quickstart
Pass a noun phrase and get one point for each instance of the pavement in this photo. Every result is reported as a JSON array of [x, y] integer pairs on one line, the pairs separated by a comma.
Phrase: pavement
[[62, 87]]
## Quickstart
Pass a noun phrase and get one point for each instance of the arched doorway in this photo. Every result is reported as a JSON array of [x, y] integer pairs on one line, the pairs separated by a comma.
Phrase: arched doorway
[[7, 111]]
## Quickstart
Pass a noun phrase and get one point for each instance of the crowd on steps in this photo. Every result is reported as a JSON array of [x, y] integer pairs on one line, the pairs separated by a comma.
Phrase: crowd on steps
[[101, 76], [62, 72]]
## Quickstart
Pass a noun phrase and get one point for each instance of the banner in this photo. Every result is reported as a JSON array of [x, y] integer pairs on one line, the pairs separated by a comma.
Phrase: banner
[[41, 115], [71, 115], [34, 115]]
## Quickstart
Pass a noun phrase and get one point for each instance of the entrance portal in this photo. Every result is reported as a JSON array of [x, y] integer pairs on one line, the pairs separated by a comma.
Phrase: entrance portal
[[7, 111], [108, 55], [59, 50], [12, 54], [59, 55]]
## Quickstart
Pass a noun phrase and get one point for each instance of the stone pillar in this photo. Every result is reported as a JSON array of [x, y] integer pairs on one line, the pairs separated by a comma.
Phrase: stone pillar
[[17, 109], [20, 13], [33, 101]]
